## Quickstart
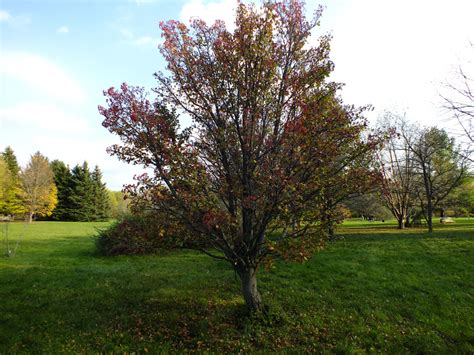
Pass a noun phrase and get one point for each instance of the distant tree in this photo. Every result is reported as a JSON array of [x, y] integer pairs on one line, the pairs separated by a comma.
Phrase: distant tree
[[101, 200], [440, 165], [119, 205], [397, 164], [39, 190], [367, 205], [11, 203], [82, 194], [6, 183], [269, 131], [63, 181], [10, 158], [460, 201]]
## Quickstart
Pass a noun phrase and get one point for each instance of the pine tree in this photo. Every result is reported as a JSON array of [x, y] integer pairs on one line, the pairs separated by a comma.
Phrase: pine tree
[[63, 181], [12, 162], [101, 196], [82, 194]]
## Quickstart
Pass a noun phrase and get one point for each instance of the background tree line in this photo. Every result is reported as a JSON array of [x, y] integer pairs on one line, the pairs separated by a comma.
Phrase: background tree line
[[424, 171], [44, 189]]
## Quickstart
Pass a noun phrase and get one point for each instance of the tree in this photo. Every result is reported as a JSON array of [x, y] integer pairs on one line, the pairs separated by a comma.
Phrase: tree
[[367, 205], [269, 131], [119, 204], [39, 190], [63, 182], [5, 185], [12, 163], [11, 203], [460, 201], [397, 164], [82, 194], [440, 165], [101, 200]]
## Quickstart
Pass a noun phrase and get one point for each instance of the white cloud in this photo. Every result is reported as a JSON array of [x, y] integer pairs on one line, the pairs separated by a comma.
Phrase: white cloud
[[146, 41], [63, 30], [4, 16], [41, 75], [41, 118], [210, 12], [16, 21], [139, 41]]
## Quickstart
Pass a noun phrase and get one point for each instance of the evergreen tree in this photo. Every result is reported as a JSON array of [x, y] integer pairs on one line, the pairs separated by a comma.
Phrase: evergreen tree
[[101, 196], [63, 181], [82, 194], [12, 162]]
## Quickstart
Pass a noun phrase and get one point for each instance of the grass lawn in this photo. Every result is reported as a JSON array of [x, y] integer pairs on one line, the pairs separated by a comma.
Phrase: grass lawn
[[375, 289]]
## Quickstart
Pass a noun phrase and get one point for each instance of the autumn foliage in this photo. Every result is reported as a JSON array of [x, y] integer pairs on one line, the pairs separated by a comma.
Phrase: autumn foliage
[[272, 148]]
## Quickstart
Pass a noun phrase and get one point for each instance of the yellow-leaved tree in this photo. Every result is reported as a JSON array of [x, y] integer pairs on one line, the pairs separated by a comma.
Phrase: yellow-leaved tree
[[5, 183], [39, 191]]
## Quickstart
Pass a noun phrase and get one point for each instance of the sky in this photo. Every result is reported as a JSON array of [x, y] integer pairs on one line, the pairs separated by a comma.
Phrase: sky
[[56, 58]]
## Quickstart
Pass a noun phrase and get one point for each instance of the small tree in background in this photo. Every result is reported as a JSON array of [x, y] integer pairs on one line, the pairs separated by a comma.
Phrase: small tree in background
[[269, 133], [119, 205], [6, 183], [39, 190], [397, 165], [101, 200], [11, 203], [440, 165]]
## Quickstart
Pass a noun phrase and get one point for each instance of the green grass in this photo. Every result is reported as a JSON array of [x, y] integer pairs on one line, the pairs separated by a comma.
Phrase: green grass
[[375, 289]]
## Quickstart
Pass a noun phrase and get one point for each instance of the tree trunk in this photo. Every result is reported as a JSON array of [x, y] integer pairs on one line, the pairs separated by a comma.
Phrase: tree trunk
[[252, 297], [429, 216], [30, 217], [401, 225], [407, 222]]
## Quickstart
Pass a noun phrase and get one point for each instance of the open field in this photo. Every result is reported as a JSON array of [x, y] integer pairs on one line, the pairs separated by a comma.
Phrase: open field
[[375, 289]]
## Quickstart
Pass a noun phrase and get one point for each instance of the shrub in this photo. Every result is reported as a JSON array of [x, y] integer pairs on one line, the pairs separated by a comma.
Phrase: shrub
[[134, 235]]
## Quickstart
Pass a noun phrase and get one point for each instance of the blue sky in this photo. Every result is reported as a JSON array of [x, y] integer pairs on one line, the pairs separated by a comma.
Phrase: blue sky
[[56, 57]]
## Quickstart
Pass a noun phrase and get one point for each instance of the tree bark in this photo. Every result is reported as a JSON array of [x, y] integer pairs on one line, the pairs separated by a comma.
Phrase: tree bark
[[401, 225], [30, 217], [429, 216], [407, 222], [253, 299]]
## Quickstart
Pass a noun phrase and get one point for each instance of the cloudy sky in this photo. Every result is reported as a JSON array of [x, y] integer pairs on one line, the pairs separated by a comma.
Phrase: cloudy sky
[[56, 57]]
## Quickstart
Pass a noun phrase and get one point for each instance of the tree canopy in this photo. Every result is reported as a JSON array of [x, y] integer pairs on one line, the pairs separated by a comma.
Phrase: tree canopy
[[38, 189], [269, 134]]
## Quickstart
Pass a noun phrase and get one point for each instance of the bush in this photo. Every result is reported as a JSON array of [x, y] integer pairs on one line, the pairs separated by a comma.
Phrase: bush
[[134, 235]]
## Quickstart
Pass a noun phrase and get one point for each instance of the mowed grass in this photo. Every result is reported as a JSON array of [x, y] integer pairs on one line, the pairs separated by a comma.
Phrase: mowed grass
[[374, 289]]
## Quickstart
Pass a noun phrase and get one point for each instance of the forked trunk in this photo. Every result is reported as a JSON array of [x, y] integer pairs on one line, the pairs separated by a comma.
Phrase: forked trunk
[[252, 297], [30, 217]]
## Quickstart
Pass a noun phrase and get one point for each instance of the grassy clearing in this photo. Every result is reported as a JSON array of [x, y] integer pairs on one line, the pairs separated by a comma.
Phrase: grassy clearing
[[374, 289]]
